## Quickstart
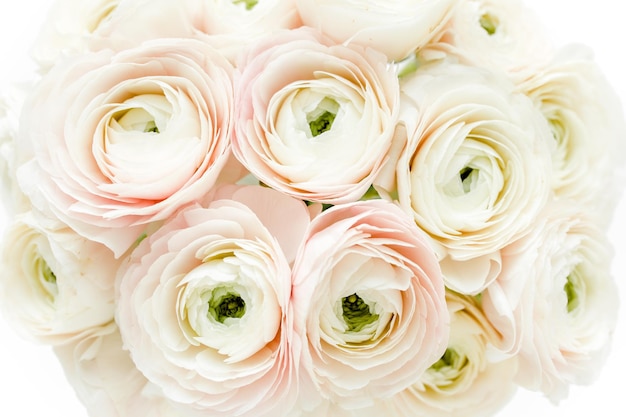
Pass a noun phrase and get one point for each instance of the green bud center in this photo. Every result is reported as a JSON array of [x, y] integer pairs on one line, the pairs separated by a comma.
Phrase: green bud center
[[571, 290], [249, 4], [467, 174], [224, 304], [322, 117], [489, 23], [450, 360], [356, 313]]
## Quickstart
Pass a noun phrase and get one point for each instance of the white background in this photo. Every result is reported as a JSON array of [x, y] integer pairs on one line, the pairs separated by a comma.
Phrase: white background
[[32, 383]]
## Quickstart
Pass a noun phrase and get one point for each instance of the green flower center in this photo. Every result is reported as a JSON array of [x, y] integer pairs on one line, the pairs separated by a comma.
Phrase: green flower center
[[47, 278], [572, 291], [356, 313], [450, 360], [248, 3], [489, 23], [224, 304], [322, 117], [465, 174], [151, 127]]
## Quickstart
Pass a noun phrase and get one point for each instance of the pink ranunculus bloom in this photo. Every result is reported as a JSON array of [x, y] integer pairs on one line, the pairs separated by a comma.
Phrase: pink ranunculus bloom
[[203, 304], [314, 119], [368, 303], [111, 142]]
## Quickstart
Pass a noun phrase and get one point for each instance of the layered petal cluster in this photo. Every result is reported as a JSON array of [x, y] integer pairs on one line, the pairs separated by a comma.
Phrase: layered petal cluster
[[467, 380], [368, 302], [112, 142], [495, 34], [55, 285], [587, 123], [106, 380], [314, 119], [475, 151], [75, 27], [396, 28], [204, 301], [555, 302]]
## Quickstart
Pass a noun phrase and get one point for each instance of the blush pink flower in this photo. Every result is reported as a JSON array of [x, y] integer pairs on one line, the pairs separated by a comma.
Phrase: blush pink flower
[[113, 142], [314, 119], [368, 302], [203, 304]]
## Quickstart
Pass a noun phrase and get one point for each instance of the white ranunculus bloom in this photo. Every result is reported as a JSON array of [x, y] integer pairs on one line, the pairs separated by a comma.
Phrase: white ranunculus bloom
[[67, 28], [106, 380], [314, 119], [11, 100], [587, 122], [247, 18], [555, 302], [503, 34], [368, 302], [74, 27], [475, 169], [203, 304], [466, 381], [396, 28], [55, 284]]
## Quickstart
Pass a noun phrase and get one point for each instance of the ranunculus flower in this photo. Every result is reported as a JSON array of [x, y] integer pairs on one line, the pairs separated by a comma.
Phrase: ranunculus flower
[[466, 381], [475, 169], [555, 302], [204, 304], [237, 23], [11, 100], [369, 303], [314, 119], [502, 34], [74, 27], [106, 380], [114, 142], [55, 285], [396, 28], [587, 123]]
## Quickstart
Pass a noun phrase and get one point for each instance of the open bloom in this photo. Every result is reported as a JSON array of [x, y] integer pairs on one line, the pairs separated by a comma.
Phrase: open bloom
[[55, 284], [368, 302], [396, 28], [587, 123], [203, 304], [475, 169], [314, 119], [495, 34], [113, 142], [466, 381], [555, 303]]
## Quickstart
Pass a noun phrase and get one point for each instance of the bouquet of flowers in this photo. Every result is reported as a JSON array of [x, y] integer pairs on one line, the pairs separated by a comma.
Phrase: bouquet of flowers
[[310, 207]]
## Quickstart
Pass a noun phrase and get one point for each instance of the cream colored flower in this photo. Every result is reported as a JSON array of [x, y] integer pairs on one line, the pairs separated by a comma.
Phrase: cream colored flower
[[587, 123], [466, 381], [555, 302], [55, 284], [475, 171], [106, 380], [396, 28]]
